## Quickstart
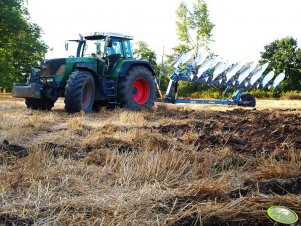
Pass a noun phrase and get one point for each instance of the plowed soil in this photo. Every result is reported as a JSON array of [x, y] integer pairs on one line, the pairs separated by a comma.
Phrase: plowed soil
[[186, 165]]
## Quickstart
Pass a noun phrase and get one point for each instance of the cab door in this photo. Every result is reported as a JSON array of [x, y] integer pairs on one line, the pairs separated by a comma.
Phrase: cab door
[[114, 52]]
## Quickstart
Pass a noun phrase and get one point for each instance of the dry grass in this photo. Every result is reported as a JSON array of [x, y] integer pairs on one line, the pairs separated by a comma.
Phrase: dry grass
[[175, 165]]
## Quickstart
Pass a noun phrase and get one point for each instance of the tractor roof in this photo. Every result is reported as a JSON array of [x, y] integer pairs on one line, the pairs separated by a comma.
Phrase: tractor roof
[[102, 35]]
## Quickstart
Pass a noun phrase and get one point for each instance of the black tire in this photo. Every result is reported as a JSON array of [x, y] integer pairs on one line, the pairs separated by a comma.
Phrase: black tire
[[137, 89], [248, 97], [39, 104], [79, 92]]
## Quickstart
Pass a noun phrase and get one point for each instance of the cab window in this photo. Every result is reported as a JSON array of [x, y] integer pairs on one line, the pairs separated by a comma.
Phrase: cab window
[[128, 49], [116, 47], [93, 48]]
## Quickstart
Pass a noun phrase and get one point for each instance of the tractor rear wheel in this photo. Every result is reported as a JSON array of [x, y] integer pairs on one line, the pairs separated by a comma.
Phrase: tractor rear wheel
[[248, 97], [137, 89], [79, 92], [39, 104]]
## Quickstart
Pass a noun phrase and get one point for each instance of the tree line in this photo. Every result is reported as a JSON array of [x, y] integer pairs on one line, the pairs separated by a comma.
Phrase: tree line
[[21, 47]]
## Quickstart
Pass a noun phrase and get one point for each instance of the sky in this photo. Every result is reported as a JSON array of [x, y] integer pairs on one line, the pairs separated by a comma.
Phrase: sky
[[242, 27]]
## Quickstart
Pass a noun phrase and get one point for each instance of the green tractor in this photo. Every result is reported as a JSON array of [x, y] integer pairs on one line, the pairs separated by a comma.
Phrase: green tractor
[[103, 73]]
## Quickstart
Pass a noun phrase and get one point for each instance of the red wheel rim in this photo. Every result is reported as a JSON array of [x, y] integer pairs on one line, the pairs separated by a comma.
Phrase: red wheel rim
[[140, 91], [87, 95]]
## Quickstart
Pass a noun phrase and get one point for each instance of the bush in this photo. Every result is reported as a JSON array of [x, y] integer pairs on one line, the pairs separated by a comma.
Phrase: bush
[[291, 95], [261, 94], [207, 95]]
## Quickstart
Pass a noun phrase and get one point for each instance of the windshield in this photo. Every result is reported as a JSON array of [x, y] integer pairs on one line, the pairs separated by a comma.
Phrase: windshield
[[94, 48], [116, 47], [71, 48], [97, 48]]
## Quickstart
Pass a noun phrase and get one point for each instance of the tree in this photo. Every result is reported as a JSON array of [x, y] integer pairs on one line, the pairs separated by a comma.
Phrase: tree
[[284, 55], [143, 52], [20, 44], [194, 28]]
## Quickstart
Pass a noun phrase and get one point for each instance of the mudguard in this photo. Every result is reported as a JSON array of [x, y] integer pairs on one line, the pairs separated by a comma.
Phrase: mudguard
[[128, 64]]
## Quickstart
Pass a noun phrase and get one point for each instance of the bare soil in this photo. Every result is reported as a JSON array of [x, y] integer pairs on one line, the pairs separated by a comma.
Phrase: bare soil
[[174, 165]]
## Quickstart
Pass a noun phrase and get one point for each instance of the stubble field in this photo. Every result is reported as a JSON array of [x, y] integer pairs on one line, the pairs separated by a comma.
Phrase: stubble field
[[174, 165]]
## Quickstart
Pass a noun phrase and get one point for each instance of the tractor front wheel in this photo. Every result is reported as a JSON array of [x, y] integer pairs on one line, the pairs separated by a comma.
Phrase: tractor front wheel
[[39, 104], [137, 90], [248, 98], [79, 92]]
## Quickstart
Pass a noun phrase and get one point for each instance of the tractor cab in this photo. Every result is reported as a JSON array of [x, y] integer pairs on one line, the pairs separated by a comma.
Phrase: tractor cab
[[107, 48]]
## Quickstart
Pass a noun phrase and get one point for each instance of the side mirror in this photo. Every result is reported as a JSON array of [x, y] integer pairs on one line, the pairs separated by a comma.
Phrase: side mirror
[[109, 42], [66, 46]]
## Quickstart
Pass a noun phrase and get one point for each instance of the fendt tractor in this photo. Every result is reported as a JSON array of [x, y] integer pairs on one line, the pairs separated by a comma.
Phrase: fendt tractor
[[103, 73]]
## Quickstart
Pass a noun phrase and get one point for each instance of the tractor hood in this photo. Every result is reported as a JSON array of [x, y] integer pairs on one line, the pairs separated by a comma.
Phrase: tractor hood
[[61, 68], [53, 67]]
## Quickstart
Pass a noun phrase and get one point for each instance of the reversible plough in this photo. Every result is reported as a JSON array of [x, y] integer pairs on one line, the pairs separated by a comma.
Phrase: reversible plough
[[213, 71]]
